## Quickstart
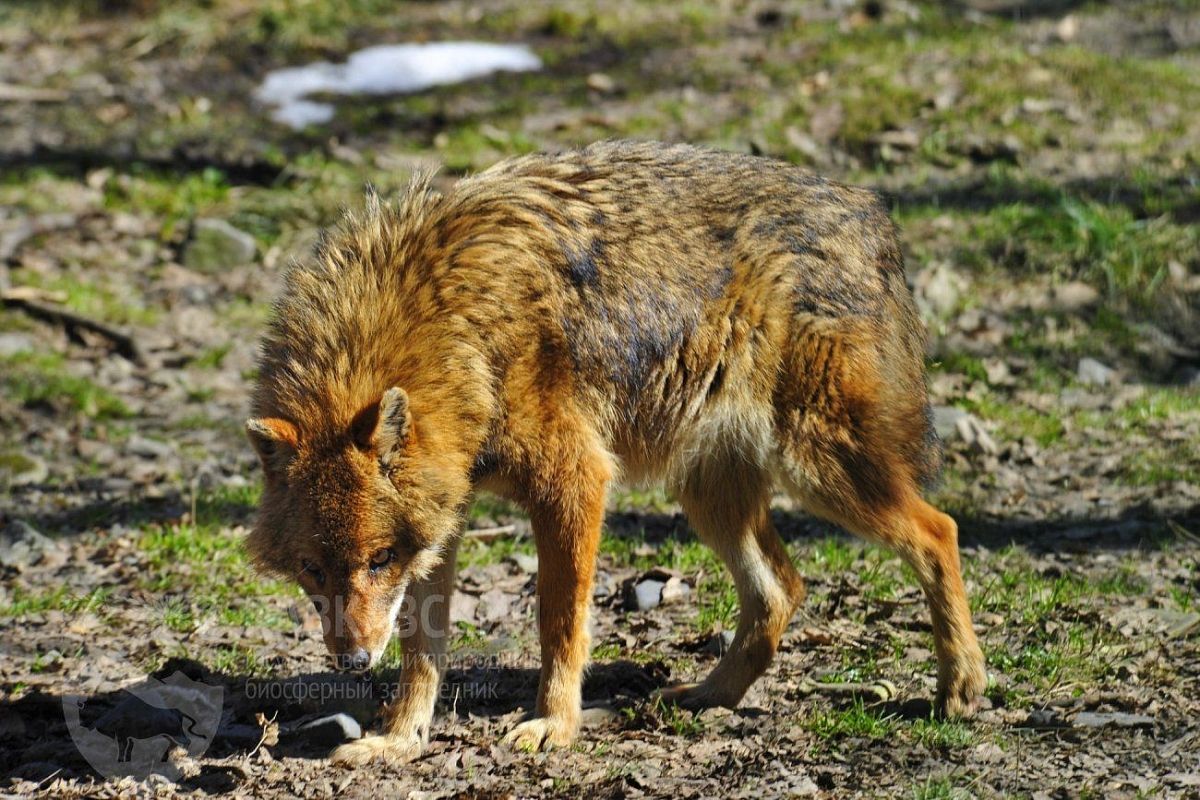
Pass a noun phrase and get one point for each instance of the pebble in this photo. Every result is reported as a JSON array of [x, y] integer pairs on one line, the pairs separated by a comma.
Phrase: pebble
[[22, 545], [12, 344], [139, 445], [647, 595], [1074, 296], [945, 421], [1092, 373], [977, 439], [327, 731], [22, 469], [216, 245]]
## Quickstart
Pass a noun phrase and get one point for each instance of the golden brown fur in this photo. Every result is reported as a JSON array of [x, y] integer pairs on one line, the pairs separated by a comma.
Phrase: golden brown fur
[[721, 323]]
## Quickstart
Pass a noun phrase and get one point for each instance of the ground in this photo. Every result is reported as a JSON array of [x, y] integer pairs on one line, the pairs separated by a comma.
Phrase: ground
[[1043, 160]]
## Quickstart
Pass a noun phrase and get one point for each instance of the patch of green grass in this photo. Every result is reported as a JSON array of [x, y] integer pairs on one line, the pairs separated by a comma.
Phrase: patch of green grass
[[60, 598], [199, 570], [240, 660], [662, 714], [213, 357], [963, 364], [939, 789], [640, 499], [170, 197], [855, 721], [1015, 421], [829, 555], [93, 299], [42, 380], [606, 652], [470, 637], [718, 604], [1104, 243], [943, 734], [1073, 651], [1155, 466], [477, 552]]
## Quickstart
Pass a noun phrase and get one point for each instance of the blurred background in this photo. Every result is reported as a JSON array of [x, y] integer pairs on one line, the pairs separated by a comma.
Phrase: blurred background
[[162, 162]]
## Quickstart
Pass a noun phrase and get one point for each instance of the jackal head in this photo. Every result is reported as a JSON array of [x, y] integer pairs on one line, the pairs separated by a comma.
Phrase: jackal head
[[354, 516]]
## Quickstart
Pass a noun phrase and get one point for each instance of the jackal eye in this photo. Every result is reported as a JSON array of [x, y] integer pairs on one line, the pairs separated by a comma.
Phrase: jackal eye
[[381, 558], [313, 571]]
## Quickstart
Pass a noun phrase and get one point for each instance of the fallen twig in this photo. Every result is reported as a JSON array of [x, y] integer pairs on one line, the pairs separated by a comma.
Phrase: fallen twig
[[490, 534], [10, 92], [20, 297]]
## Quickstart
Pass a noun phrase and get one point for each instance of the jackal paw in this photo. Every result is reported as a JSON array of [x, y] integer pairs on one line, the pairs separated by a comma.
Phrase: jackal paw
[[378, 749], [698, 696], [960, 693], [541, 733]]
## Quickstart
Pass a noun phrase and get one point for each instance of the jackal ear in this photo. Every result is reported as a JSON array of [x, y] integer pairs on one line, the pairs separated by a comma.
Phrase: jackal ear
[[274, 439], [384, 427]]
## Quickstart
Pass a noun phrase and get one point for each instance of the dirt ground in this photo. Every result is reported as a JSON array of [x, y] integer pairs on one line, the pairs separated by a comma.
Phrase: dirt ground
[[1043, 160]]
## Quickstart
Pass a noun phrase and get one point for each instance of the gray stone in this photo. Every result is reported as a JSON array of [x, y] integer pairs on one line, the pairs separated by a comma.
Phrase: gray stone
[[327, 731], [1092, 373], [12, 344], [1074, 296], [647, 594], [215, 246], [675, 590], [22, 469], [21, 545], [945, 421], [972, 432], [148, 448], [939, 289], [525, 561]]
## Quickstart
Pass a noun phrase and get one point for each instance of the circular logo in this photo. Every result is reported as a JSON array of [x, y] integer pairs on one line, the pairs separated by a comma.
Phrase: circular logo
[[152, 720]]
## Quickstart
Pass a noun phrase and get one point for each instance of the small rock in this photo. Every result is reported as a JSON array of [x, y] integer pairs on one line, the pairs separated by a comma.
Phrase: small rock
[[21, 546], [327, 731], [945, 421], [939, 288], [599, 82], [1114, 719], [495, 605], [1067, 28], [1092, 373], [1074, 296], [598, 717], [802, 142], [647, 595], [604, 586], [148, 448], [525, 562], [902, 139], [675, 590], [215, 245], [977, 439], [22, 469], [463, 607], [804, 786], [12, 344]]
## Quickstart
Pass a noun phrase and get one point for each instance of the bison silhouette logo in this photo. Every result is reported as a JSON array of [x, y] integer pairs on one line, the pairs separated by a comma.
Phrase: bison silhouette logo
[[151, 718]]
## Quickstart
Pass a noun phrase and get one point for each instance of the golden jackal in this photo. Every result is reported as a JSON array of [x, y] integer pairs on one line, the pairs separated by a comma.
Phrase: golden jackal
[[722, 323]]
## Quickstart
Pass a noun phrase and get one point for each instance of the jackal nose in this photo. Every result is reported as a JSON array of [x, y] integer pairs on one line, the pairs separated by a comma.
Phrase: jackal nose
[[357, 660]]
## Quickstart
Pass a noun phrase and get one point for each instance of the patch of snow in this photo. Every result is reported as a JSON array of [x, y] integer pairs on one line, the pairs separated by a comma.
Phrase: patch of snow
[[385, 69]]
